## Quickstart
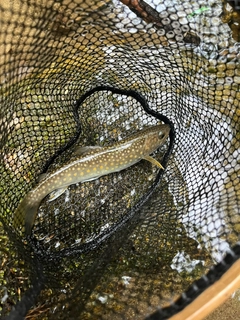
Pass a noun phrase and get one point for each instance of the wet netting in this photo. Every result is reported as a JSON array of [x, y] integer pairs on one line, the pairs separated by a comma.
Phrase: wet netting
[[129, 243]]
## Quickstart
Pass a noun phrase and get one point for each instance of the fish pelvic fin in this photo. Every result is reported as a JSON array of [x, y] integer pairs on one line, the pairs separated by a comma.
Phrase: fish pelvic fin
[[56, 193]]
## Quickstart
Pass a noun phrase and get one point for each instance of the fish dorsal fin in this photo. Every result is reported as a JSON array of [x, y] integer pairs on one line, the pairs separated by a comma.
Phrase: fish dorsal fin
[[42, 177], [153, 161], [82, 151]]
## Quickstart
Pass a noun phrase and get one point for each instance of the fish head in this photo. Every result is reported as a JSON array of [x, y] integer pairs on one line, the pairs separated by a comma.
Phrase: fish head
[[154, 137]]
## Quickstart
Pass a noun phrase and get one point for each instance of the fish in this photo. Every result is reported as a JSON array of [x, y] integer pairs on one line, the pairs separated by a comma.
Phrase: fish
[[90, 163]]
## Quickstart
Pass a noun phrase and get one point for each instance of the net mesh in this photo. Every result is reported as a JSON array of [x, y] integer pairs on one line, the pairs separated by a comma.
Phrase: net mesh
[[90, 73]]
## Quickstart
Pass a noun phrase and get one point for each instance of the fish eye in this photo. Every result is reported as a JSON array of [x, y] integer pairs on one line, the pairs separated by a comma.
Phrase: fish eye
[[161, 135]]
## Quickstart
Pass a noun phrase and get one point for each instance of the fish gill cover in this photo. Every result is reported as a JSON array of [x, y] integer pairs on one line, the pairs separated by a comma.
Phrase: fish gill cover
[[91, 73]]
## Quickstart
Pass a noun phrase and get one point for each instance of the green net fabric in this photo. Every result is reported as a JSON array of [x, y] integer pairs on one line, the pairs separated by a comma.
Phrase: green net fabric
[[90, 73]]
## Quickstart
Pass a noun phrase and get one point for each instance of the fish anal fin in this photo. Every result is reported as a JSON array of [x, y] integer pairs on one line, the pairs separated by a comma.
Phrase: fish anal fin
[[153, 161], [91, 179]]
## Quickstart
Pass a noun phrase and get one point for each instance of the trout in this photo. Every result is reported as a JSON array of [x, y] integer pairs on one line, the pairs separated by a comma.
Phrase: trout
[[90, 163]]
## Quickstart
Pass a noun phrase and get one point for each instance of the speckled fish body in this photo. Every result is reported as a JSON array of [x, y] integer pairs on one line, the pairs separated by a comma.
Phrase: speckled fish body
[[92, 163]]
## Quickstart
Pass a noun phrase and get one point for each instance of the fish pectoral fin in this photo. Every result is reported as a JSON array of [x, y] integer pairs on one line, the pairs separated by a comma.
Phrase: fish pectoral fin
[[81, 151], [56, 193], [153, 161]]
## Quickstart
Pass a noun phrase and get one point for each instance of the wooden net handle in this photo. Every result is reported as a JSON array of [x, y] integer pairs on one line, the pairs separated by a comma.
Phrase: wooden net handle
[[213, 296]]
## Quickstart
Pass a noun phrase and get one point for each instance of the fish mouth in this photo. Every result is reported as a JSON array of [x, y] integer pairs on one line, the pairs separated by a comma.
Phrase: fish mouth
[[166, 128]]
